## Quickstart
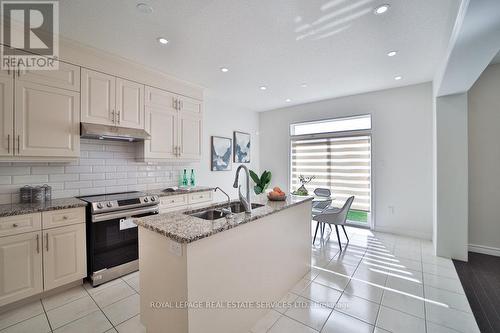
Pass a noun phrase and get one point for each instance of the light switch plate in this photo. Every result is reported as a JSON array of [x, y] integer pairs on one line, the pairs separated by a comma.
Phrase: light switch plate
[[176, 248]]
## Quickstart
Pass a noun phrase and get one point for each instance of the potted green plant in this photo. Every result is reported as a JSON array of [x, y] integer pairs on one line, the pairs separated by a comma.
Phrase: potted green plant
[[262, 182]]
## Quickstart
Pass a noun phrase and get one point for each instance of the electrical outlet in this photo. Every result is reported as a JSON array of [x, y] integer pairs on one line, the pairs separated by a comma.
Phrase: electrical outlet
[[176, 248]]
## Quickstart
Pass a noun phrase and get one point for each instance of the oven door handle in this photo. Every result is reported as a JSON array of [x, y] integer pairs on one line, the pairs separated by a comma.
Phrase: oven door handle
[[123, 214]]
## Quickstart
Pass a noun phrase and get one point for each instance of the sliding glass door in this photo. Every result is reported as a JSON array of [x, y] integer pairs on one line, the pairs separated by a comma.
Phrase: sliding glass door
[[339, 161]]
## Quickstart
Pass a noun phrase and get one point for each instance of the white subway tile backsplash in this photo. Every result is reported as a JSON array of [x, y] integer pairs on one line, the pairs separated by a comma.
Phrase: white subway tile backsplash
[[80, 184], [30, 179], [5, 180], [44, 170], [103, 167], [14, 170], [92, 191], [64, 177], [116, 175], [92, 176], [78, 169]]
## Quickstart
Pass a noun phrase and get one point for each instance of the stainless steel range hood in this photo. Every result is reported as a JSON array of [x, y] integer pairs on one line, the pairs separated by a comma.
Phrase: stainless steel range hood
[[105, 132]]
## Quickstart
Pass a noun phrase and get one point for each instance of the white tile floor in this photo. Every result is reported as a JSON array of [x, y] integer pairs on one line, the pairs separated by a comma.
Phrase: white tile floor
[[111, 307], [379, 283]]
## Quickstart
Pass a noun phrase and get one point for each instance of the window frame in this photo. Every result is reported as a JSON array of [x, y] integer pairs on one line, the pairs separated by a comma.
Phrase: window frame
[[339, 134], [315, 135]]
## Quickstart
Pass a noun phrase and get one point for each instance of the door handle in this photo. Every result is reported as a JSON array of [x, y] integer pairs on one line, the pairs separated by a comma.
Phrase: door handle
[[19, 144], [113, 115], [8, 143], [118, 116], [37, 243], [47, 241]]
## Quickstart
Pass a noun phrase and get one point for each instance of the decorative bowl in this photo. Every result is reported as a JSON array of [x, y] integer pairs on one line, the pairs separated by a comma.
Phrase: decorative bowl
[[276, 197]]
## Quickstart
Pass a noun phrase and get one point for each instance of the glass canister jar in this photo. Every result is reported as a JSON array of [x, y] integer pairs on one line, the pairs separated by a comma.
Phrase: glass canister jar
[[26, 194]]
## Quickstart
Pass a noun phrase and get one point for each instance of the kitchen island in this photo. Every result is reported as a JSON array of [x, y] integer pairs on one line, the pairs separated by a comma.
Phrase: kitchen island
[[221, 275]]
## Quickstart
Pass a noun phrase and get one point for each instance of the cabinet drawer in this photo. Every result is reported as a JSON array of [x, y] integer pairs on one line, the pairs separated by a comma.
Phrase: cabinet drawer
[[173, 201], [13, 225], [199, 197], [59, 218]]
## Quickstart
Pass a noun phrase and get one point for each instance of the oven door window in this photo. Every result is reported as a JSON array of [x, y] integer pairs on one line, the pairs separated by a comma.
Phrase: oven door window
[[114, 242]]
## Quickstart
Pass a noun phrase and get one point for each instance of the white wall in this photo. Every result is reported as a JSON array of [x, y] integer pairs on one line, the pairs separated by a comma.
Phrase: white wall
[[451, 177], [221, 119], [484, 162], [401, 145]]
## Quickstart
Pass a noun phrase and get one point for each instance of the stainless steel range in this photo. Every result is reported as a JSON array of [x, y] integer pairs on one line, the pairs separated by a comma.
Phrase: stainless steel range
[[112, 239]]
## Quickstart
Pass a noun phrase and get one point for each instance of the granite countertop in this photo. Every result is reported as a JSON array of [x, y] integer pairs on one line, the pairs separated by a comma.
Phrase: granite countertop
[[180, 191], [54, 204], [184, 228]]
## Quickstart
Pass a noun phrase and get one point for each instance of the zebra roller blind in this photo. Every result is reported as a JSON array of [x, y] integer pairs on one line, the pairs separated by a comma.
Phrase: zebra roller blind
[[341, 164]]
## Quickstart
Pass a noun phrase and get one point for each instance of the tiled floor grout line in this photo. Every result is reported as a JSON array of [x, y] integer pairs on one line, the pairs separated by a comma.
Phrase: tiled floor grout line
[[104, 314], [46, 316], [22, 321], [423, 289]]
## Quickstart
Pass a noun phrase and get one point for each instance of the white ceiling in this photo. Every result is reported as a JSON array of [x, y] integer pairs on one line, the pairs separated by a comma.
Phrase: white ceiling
[[262, 43]]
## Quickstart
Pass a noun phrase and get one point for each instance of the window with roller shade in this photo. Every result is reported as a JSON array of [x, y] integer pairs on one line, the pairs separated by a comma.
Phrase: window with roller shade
[[337, 153]]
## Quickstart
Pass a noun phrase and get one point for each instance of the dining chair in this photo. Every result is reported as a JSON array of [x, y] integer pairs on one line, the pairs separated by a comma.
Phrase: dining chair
[[319, 206], [335, 216]]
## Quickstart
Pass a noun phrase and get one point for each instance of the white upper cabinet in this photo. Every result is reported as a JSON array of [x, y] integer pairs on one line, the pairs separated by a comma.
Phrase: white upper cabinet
[[189, 105], [47, 121], [190, 136], [66, 77], [20, 266], [129, 104], [175, 133], [6, 113], [98, 98], [108, 100]]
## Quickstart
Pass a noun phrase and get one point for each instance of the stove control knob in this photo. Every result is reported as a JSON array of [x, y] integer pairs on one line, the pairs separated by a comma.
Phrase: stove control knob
[[109, 204], [153, 199], [146, 199], [99, 205]]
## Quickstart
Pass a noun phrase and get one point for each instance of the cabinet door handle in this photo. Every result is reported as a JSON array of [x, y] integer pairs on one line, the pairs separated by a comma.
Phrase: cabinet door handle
[[47, 241], [118, 116], [174, 103], [8, 71], [19, 144], [15, 225], [8, 143], [18, 72], [113, 115], [65, 217], [181, 105], [37, 243]]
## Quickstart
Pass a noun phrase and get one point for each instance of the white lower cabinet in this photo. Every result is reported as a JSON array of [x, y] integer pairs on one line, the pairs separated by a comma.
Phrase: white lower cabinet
[[64, 257], [20, 266], [41, 259], [183, 202]]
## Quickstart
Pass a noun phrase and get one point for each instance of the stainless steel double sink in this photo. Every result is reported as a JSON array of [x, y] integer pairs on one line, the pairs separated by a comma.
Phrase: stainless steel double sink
[[218, 213]]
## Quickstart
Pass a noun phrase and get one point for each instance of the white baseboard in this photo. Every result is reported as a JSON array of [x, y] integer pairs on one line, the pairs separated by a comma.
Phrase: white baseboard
[[492, 251]]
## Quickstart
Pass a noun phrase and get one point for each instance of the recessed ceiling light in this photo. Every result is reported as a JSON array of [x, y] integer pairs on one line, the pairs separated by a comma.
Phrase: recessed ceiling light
[[397, 78], [392, 53], [263, 88], [288, 100], [304, 85], [162, 40], [144, 8], [381, 9], [224, 69]]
